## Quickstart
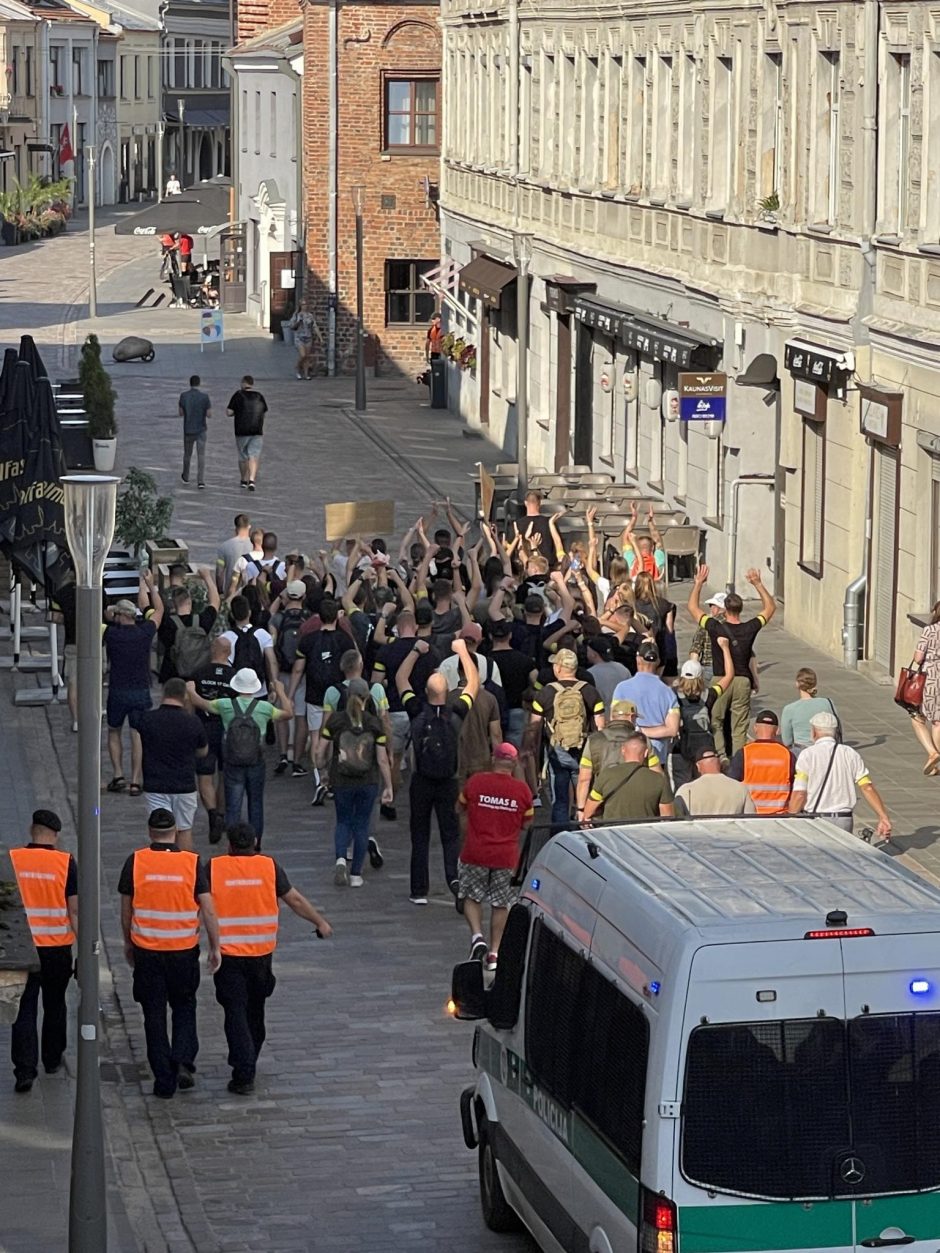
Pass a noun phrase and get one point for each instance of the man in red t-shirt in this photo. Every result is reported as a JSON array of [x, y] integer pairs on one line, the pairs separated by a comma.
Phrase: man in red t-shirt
[[495, 809]]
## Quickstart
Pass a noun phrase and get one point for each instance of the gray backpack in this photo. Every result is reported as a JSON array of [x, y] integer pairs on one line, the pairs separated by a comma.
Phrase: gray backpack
[[243, 737]]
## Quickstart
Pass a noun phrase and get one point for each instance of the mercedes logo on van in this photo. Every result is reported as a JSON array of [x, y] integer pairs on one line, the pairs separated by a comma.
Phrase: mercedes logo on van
[[852, 1170]]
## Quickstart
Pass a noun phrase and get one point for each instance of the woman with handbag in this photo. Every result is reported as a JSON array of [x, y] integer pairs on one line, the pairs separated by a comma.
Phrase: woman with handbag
[[927, 663]]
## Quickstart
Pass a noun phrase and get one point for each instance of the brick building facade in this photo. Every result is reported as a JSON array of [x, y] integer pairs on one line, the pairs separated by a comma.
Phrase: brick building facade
[[388, 142]]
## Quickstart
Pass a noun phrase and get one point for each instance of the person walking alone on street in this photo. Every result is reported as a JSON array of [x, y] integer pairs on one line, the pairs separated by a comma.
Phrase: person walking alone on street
[[435, 731], [247, 888], [48, 882], [358, 762], [248, 408], [495, 809], [164, 894], [305, 328], [927, 654], [195, 408], [827, 776], [742, 635]]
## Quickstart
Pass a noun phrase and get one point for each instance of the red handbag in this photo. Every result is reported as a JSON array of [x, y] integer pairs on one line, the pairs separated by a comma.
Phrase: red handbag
[[909, 693]]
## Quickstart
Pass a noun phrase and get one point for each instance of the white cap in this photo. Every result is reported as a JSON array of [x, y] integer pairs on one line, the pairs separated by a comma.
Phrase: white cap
[[825, 723], [691, 669], [718, 600]]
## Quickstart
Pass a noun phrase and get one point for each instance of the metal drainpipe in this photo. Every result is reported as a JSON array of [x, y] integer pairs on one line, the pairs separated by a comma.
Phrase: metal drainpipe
[[857, 591], [742, 481], [332, 233]]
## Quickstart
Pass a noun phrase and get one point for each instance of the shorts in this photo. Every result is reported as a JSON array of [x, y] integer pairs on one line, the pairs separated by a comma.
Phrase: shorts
[[249, 446], [315, 716], [122, 702], [401, 729], [182, 805], [484, 884], [300, 705], [70, 662], [212, 761]]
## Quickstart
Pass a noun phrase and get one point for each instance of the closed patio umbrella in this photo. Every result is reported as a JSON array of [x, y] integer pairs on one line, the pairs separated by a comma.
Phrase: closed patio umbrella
[[29, 352]]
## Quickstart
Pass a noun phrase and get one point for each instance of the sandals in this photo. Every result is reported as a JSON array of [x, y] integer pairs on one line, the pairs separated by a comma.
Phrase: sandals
[[117, 784], [134, 790], [933, 764]]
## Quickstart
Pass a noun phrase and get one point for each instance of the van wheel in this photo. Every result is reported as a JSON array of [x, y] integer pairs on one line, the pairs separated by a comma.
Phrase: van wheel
[[498, 1214]]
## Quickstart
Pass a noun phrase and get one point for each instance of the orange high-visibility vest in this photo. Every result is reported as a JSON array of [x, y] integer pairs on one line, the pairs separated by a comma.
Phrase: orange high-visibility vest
[[767, 775], [41, 875], [164, 914], [243, 889]]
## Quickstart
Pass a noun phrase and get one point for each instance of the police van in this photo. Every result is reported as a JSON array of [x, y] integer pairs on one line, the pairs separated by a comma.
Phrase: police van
[[714, 1036]]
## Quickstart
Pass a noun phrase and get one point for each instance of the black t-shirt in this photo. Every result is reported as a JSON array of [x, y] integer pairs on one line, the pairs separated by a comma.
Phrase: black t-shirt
[[71, 875], [388, 660], [282, 885], [539, 526], [741, 635], [128, 649], [167, 635], [593, 702], [527, 638], [212, 683], [170, 738], [514, 670], [248, 408], [126, 881], [321, 651]]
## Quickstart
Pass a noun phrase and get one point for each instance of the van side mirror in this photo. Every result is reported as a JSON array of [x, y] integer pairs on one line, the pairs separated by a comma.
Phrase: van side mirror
[[467, 991]]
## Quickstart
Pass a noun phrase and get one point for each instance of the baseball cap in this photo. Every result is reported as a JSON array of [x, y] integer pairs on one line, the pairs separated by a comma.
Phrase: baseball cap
[[505, 752], [705, 752], [649, 652], [622, 709], [718, 600], [472, 631], [48, 819], [126, 607], [691, 669], [769, 718], [161, 820], [566, 659], [297, 589]]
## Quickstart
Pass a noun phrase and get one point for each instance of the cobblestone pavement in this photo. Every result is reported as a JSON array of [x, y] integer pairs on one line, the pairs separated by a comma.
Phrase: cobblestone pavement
[[352, 1141]]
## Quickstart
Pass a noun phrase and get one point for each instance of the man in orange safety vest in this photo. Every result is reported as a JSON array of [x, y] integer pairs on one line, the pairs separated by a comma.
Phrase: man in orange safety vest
[[47, 878], [247, 887], [765, 767]]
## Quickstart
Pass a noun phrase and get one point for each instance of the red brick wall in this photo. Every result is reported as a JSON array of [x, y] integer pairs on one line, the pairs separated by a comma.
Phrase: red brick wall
[[254, 16], [372, 39]]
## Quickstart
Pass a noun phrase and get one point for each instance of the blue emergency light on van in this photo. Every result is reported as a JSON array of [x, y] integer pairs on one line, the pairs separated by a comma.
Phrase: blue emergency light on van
[[920, 987]]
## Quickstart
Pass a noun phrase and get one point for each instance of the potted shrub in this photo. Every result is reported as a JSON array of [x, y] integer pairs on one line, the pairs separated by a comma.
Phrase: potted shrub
[[98, 395], [143, 515]]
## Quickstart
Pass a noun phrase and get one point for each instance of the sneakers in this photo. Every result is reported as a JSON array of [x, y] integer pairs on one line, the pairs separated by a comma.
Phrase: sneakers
[[297, 771], [241, 1088], [341, 873], [184, 478], [356, 881], [184, 1080], [490, 961], [202, 485], [388, 812], [419, 900], [376, 860], [477, 949], [251, 486], [244, 482], [319, 794], [26, 1085], [282, 764], [455, 888]]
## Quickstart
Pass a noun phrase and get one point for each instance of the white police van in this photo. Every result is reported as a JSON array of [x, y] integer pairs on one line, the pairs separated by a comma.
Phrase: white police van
[[715, 1036]]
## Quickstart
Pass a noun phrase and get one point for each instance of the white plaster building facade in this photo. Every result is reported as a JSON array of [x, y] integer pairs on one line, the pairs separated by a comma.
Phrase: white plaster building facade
[[753, 189]]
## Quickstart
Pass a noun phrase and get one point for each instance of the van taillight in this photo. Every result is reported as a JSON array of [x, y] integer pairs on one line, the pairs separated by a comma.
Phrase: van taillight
[[659, 1225], [839, 933]]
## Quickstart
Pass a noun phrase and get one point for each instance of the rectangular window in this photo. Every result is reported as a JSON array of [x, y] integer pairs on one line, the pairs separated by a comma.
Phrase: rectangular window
[[137, 80], [150, 77], [272, 123], [407, 301], [771, 144], [586, 156], [244, 120], [105, 79], [552, 1026], [198, 64], [180, 77], [14, 72], [411, 113], [56, 81], [722, 137], [895, 155], [123, 78], [610, 175], [826, 163], [78, 67], [549, 110], [636, 128], [29, 71], [661, 175], [813, 496], [258, 122], [688, 123]]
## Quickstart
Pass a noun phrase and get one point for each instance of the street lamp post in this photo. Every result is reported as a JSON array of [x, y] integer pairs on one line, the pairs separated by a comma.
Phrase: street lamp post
[[92, 275], [89, 527], [522, 254], [358, 193], [160, 130], [181, 109]]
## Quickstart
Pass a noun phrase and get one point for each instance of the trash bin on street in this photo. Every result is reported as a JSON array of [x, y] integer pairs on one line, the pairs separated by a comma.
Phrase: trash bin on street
[[437, 383]]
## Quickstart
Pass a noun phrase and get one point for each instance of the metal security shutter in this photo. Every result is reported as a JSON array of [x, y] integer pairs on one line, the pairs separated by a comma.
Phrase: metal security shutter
[[884, 557]]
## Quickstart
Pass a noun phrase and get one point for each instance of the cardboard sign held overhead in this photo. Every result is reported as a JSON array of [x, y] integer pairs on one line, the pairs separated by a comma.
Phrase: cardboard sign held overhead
[[367, 518], [487, 492]]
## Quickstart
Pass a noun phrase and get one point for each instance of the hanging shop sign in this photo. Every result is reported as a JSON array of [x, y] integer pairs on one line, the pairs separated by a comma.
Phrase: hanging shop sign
[[703, 397], [880, 415]]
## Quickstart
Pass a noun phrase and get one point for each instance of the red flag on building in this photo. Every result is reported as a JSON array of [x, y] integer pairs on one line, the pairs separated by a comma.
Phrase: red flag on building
[[66, 155]]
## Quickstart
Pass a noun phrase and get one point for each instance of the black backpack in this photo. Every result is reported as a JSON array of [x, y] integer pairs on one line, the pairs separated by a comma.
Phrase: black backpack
[[286, 647], [248, 654], [434, 737], [243, 738], [322, 669], [695, 727]]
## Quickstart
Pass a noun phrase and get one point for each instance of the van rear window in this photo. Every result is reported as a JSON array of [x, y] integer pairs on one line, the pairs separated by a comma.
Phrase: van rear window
[[814, 1108]]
